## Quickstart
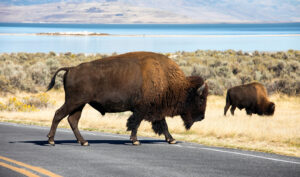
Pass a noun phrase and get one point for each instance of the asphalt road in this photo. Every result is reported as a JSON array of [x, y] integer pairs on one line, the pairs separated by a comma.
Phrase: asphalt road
[[24, 147]]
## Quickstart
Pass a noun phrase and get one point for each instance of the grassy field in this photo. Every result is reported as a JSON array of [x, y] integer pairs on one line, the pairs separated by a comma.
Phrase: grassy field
[[277, 134]]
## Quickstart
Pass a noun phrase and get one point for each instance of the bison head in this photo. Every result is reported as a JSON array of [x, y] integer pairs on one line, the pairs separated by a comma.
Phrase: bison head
[[195, 104], [270, 109]]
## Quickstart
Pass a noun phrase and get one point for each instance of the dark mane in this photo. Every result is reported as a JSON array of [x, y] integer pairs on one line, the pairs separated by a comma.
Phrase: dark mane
[[195, 81]]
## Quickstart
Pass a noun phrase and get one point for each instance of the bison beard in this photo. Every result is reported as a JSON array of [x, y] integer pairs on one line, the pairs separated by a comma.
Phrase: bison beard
[[149, 85]]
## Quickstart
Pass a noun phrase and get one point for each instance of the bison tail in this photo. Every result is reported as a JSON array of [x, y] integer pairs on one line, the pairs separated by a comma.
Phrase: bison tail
[[50, 86]]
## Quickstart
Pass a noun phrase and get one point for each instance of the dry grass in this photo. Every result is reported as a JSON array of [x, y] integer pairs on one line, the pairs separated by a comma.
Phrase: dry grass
[[278, 134]]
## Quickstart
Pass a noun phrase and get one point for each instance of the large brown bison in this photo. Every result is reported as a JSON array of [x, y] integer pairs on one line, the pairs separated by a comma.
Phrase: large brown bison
[[150, 85], [252, 97]]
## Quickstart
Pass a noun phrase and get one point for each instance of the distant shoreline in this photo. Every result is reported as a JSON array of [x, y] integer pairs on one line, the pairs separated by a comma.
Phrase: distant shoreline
[[142, 35]]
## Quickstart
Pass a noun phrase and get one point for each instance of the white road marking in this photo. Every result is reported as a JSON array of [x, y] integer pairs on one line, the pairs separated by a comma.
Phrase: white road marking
[[178, 145], [108, 135], [89, 133], [244, 154]]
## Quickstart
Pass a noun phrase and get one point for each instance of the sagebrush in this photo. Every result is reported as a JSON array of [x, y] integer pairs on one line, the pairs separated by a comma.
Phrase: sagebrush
[[278, 71]]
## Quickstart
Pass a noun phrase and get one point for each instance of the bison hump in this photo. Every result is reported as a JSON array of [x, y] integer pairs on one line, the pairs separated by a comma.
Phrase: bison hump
[[162, 80], [154, 79]]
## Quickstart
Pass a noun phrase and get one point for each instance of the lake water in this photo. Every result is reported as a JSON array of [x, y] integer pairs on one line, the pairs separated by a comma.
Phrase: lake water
[[149, 37]]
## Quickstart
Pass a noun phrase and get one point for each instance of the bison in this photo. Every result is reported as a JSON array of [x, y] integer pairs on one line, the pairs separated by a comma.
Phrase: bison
[[150, 85], [252, 97]]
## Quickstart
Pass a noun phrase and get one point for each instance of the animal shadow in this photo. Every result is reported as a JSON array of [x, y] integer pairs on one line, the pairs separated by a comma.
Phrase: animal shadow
[[91, 142]]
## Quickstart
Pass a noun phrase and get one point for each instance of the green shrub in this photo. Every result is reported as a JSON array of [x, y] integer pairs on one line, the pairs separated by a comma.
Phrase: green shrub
[[231, 82], [53, 65], [215, 88], [203, 71], [39, 73], [278, 71], [5, 85], [14, 74], [245, 78], [223, 71]]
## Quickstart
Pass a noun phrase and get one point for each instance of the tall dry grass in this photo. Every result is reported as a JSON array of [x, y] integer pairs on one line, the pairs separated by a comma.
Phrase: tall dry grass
[[276, 134]]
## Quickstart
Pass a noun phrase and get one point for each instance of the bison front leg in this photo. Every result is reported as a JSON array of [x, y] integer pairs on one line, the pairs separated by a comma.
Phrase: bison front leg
[[161, 127], [249, 112], [133, 124]]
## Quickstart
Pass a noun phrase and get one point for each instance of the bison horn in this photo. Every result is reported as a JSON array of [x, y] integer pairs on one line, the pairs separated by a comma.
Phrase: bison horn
[[273, 106], [200, 89]]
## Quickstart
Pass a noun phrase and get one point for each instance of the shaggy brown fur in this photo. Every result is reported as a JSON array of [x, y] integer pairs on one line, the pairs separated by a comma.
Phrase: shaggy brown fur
[[150, 85], [253, 97]]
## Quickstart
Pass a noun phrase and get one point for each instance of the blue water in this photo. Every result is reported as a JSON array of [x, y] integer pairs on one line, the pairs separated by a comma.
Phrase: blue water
[[217, 37]]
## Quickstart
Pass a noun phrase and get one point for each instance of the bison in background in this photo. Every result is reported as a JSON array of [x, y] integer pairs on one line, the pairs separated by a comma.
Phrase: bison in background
[[150, 85], [253, 97]]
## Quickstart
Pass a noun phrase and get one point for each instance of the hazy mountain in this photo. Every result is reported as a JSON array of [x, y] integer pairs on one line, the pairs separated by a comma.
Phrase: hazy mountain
[[149, 11]]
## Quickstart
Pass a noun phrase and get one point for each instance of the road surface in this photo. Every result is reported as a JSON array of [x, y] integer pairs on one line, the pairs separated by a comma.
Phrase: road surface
[[24, 151]]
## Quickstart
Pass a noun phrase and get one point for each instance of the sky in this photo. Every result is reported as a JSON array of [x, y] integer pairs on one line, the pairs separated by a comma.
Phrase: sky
[[149, 11]]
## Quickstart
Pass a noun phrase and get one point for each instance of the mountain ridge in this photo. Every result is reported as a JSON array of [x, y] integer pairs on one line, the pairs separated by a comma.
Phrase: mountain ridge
[[151, 12]]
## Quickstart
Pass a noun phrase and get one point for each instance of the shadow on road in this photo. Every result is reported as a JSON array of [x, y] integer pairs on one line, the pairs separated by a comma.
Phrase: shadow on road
[[116, 142]]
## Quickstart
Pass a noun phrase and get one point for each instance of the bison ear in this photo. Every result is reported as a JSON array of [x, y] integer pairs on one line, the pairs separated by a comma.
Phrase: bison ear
[[200, 89]]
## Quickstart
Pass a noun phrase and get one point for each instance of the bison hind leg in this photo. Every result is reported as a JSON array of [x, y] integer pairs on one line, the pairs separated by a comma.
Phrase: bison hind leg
[[226, 108], [73, 121], [66, 109], [59, 115]]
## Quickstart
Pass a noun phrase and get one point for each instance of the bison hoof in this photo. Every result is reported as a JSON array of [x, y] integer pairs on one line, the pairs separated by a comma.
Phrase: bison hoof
[[85, 144], [136, 143], [51, 143], [172, 142]]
